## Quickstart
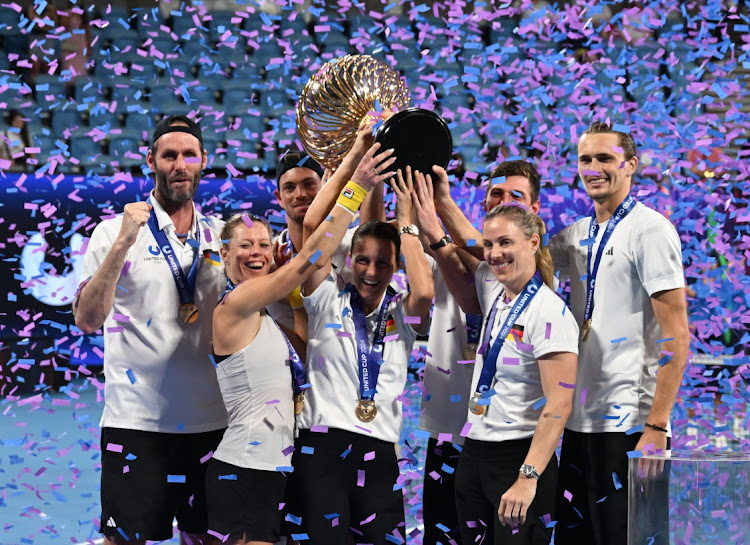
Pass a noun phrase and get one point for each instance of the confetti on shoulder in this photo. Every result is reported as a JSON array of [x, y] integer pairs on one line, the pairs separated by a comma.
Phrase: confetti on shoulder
[[412, 320], [621, 339]]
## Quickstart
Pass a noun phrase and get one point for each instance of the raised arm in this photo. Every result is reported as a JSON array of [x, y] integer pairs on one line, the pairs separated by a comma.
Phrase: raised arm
[[95, 300], [372, 170], [313, 262], [418, 271], [457, 275], [326, 197], [458, 225], [558, 373]]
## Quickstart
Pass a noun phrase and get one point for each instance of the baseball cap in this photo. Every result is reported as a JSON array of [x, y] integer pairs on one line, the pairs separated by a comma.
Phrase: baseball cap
[[293, 158], [166, 125]]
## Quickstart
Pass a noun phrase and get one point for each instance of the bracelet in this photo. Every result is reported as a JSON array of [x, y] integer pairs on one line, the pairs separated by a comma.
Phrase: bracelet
[[351, 196], [657, 428], [440, 243]]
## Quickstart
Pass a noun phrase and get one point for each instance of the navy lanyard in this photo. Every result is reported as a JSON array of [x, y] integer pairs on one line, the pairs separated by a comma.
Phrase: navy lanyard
[[622, 210], [490, 361], [369, 357], [185, 284]]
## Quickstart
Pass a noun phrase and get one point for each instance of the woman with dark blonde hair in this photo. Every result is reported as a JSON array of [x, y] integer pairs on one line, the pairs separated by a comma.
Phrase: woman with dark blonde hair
[[524, 376], [260, 373]]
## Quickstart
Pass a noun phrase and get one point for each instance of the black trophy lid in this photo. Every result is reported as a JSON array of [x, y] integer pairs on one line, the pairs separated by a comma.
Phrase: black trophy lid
[[420, 138]]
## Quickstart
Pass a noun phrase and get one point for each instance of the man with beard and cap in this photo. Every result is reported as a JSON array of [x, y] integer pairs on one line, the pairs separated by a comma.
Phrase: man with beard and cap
[[153, 277]]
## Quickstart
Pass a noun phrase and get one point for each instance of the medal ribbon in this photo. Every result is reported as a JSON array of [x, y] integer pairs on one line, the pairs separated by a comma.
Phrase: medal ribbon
[[368, 356], [490, 361], [185, 283], [622, 210]]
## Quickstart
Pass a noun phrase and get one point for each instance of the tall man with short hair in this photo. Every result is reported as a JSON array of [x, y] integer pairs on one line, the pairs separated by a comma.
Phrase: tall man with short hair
[[152, 280], [627, 292]]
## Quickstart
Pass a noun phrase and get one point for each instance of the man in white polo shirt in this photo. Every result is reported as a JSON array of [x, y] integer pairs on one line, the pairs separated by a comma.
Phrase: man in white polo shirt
[[451, 350], [153, 277], [627, 293]]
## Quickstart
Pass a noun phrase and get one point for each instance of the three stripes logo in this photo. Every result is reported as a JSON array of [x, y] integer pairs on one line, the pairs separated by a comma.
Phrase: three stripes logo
[[611, 251]]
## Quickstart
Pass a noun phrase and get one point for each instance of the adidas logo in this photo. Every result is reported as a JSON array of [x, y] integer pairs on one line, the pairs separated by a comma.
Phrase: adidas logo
[[611, 251], [111, 523]]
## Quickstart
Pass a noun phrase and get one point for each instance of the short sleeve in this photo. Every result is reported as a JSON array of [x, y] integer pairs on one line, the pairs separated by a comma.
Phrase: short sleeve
[[658, 257], [554, 329], [101, 241], [323, 295]]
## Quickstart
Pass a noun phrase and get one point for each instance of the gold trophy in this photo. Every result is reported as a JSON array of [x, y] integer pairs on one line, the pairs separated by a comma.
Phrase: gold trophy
[[344, 92]]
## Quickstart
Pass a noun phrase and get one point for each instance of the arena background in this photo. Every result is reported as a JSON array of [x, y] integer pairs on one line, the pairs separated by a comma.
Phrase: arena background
[[517, 80]]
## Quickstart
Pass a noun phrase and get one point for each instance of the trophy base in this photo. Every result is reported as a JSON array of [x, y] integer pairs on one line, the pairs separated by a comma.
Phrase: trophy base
[[420, 138]]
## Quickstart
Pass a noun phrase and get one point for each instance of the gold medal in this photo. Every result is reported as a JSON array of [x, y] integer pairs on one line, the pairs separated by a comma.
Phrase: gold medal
[[366, 410], [299, 403], [585, 329], [475, 407], [470, 352], [188, 312]]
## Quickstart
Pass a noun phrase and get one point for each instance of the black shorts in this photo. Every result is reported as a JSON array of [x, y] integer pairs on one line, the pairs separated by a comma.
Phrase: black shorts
[[149, 479], [344, 483], [244, 503], [439, 503]]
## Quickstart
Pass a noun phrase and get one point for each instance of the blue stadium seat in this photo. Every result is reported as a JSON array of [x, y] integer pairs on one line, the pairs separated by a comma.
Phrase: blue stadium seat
[[45, 84], [239, 98], [104, 119], [85, 149], [65, 120], [220, 23], [275, 103], [140, 123], [184, 25], [16, 42], [255, 124], [123, 148]]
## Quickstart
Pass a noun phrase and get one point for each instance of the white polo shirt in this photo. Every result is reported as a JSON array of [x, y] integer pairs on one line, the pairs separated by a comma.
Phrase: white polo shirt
[[447, 375], [618, 363], [545, 326], [281, 311], [332, 369], [158, 373]]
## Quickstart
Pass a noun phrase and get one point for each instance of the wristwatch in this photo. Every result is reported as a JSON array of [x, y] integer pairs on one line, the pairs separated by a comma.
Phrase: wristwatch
[[529, 471], [409, 230], [440, 243]]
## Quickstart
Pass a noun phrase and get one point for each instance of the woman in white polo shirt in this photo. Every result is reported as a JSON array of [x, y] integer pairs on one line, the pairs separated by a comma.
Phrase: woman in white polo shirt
[[260, 375], [523, 378], [360, 336]]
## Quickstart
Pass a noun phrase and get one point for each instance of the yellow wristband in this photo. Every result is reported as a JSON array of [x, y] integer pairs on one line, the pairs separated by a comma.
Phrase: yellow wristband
[[295, 298], [351, 196]]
